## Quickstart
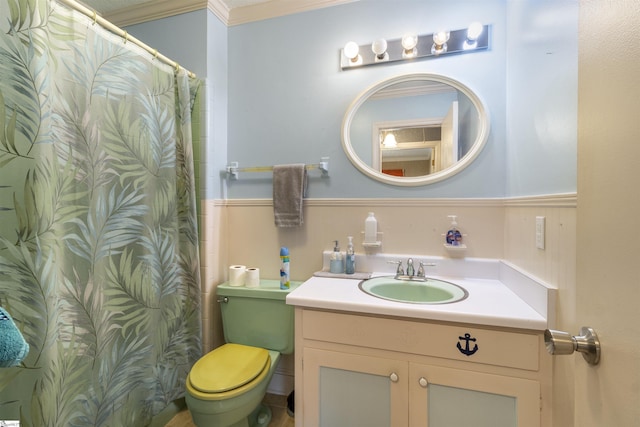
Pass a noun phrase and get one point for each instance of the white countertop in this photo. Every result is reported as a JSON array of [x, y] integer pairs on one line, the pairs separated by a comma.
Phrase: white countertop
[[490, 303]]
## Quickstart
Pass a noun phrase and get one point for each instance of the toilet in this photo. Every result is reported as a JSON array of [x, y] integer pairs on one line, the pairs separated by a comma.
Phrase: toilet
[[225, 387]]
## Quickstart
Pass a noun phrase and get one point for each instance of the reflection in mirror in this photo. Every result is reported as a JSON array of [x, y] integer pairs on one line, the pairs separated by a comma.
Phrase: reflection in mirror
[[414, 129], [410, 151]]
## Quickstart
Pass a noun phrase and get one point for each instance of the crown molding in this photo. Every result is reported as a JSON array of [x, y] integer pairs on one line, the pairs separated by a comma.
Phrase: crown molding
[[274, 8], [220, 9], [153, 10], [158, 9]]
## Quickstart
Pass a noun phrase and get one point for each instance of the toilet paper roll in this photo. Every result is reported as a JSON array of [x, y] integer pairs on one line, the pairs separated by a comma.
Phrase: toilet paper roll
[[236, 275], [252, 278]]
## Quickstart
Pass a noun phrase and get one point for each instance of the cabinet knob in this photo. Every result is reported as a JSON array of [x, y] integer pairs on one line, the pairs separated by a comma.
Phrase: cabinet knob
[[393, 377], [423, 382]]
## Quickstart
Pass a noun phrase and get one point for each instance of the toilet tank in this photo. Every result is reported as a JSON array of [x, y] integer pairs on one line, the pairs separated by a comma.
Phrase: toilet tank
[[258, 316]]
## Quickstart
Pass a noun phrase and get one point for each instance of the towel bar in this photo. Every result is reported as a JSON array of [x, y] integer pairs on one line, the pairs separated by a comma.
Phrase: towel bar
[[233, 170]]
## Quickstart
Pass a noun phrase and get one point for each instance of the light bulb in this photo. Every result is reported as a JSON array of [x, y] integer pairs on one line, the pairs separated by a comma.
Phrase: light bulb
[[409, 43], [441, 37], [351, 50], [473, 32], [440, 42], [379, 47]]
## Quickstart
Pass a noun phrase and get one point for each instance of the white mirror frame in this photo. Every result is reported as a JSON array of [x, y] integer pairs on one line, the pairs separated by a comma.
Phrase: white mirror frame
[[478, 145]]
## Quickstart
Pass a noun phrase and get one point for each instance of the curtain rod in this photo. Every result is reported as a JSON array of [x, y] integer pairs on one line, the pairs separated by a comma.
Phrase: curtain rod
[[122, 33]]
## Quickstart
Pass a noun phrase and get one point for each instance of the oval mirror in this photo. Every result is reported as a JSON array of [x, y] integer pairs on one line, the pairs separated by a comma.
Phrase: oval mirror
[[414, 129]]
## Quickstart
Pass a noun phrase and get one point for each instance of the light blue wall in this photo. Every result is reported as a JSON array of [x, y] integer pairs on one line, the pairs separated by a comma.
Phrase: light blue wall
[[542, 88], [171, 36], [217, 87], [277, 95], [287, 95], [198, 41]]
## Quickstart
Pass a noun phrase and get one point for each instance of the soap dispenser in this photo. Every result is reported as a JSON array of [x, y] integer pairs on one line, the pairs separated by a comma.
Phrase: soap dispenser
[[350, 259], [454, 237], [335, 262]]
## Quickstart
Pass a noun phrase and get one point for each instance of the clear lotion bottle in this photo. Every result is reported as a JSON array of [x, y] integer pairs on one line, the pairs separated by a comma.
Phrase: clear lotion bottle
[[350, 261]]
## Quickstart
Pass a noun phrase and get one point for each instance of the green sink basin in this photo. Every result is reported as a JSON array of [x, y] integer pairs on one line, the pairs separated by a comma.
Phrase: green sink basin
[[430, 291]]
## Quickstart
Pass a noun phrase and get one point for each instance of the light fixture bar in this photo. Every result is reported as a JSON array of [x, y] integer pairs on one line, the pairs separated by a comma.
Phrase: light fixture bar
[[458, 43]]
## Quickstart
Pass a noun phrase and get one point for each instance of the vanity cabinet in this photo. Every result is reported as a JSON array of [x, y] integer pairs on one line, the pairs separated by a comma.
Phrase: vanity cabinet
[[360, 370]]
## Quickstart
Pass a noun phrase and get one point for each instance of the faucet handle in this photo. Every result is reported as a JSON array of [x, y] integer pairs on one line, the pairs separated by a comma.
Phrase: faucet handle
[[400, 270], [421, 272]]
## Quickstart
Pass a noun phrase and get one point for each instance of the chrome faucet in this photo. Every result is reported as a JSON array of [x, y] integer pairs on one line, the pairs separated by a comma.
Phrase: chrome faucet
[[411, 274], [410, 269]]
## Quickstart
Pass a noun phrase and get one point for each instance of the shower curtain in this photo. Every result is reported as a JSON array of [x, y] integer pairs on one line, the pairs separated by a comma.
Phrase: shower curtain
[[98, 235]]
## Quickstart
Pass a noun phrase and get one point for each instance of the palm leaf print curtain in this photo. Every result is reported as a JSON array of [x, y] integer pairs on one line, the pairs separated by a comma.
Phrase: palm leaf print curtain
[[98, 236]]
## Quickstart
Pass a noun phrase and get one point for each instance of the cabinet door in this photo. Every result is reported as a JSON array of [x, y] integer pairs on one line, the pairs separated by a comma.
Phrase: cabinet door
[[342, 389], [444, 397]]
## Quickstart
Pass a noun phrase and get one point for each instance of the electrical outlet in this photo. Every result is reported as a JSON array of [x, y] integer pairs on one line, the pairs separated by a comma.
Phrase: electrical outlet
[[540, 230]]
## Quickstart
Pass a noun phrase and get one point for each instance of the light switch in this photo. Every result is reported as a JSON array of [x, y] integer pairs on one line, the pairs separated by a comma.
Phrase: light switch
[[540, 229]]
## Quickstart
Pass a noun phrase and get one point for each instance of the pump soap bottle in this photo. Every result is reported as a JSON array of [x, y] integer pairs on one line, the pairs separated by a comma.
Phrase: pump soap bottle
[[350, 261], [335, 262], [454, 237]]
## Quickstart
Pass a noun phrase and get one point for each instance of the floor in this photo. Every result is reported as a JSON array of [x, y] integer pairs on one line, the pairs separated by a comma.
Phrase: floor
[[278, 405]]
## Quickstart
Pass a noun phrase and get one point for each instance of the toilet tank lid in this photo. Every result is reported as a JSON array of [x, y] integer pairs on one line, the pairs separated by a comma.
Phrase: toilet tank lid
[[268, 289]]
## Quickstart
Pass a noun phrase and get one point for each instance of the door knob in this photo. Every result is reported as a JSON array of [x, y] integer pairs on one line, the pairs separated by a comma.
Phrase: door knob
[[587, 343]]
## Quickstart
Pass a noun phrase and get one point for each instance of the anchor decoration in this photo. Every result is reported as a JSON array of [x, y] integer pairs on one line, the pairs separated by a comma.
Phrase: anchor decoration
[[466, 350]]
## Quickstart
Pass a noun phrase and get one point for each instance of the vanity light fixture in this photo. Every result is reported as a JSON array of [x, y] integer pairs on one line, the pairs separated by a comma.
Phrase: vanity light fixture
[[379, 48], [412, 46], [440, 40]]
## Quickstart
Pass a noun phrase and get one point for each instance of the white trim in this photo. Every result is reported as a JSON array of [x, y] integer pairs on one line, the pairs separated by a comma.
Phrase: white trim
[[276, 8], [565, 200], [153, 10], [553, 200], [219, 9], [158, 9], [417, 90]]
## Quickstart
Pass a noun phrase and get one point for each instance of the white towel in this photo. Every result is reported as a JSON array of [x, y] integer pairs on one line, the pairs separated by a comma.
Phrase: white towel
[[289, 188]]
